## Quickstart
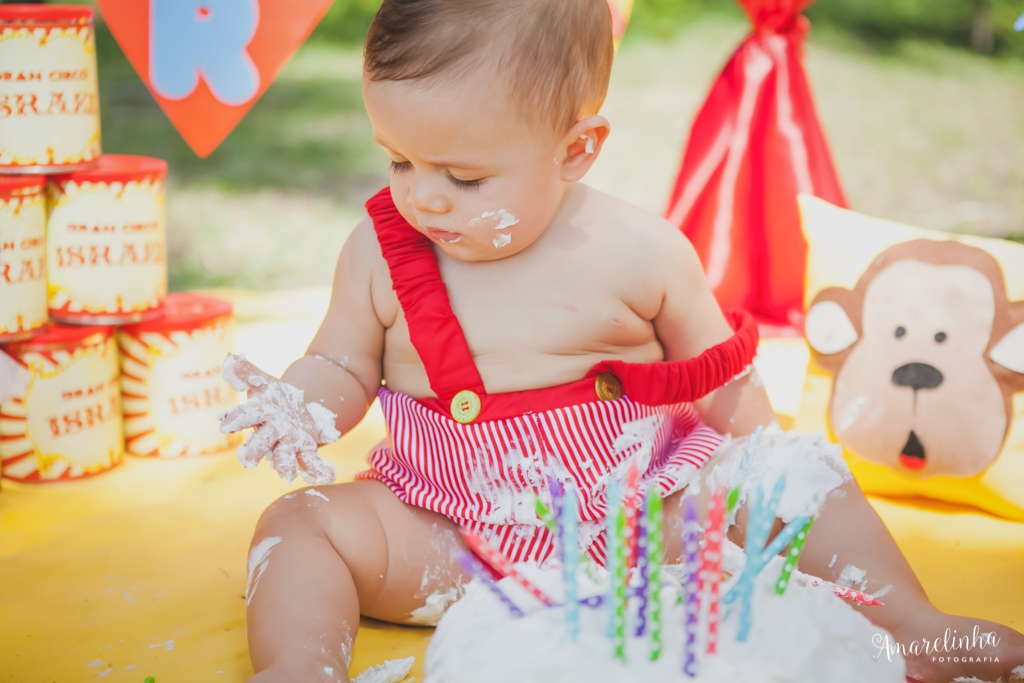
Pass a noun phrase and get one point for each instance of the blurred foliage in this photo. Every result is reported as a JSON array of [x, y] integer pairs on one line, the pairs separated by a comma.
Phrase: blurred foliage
[[878, 21]]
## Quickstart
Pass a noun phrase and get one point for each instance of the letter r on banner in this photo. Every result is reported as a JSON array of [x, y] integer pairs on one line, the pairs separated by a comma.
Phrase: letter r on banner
[[209, 37]]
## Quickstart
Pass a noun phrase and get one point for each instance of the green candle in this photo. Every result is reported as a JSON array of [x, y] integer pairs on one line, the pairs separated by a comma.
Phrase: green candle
[[654, 550], [620, 584], [792, 556]]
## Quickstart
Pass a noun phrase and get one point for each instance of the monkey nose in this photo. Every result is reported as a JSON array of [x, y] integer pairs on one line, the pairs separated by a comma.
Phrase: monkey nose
[[917, 376]]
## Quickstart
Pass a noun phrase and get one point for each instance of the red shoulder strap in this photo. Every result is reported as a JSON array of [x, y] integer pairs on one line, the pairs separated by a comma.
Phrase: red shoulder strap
[[685, 381], [433, 327]]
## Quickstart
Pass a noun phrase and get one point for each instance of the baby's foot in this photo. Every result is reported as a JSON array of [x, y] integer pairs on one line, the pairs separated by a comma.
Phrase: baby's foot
[[287, 431], [966, 653]]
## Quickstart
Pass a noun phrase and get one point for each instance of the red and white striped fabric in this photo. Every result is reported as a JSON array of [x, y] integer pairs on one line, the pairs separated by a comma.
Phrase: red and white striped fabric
[[485, 476], [485, 469]]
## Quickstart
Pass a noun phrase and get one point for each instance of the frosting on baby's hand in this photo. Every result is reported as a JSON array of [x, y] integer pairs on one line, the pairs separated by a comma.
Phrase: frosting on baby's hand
[[287, 431]]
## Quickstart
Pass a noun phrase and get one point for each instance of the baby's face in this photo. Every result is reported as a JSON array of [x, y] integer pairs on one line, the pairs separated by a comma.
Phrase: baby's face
[[465, 170]]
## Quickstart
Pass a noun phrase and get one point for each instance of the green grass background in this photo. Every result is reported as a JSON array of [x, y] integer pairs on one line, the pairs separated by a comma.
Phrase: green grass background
[[923, 130]]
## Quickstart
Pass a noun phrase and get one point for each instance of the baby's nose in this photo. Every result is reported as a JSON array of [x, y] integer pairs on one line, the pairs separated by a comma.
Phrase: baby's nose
[[423, 197], [917, 376]]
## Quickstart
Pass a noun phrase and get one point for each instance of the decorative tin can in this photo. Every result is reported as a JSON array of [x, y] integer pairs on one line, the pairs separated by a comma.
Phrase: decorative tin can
[[49, 100], [171, 380], [22, 257], [68, 423], [107, 242]]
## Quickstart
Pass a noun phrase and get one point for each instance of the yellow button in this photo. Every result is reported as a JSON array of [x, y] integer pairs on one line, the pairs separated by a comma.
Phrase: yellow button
[[465, 406], [608, 387]]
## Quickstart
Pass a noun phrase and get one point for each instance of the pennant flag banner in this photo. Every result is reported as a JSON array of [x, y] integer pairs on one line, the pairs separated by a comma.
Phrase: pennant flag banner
[[755, 145], [206, 62], [621, 9]]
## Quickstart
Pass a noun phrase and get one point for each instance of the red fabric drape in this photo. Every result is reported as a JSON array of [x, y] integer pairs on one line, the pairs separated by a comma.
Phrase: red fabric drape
[[755, 145]]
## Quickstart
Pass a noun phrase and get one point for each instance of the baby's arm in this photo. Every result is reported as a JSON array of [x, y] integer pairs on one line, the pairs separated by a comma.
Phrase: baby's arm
[[342, 368], [689, 322], [336, 379]]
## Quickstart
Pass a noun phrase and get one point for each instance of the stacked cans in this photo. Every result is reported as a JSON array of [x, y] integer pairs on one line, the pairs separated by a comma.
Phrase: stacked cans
[[83, 248]]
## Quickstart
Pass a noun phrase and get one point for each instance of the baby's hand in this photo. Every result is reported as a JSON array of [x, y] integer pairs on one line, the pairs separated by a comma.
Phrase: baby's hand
[[287, 431]]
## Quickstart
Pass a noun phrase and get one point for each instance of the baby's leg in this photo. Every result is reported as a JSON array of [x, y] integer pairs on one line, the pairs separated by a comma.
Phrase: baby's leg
[[362, 551]]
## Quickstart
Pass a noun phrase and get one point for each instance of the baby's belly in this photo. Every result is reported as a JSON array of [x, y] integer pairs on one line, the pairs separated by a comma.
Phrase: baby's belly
[[513, 369]]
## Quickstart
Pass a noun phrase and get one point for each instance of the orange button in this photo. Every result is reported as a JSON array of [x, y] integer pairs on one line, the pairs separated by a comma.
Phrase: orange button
[[608, 387]]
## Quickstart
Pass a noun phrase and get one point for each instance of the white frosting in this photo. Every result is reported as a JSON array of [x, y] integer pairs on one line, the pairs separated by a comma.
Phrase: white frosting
[[502, 240], [434, 608], [808, 634], [314, 492], [813, 467], [391, 671], [259, 560], [324, 419], [496, 220]]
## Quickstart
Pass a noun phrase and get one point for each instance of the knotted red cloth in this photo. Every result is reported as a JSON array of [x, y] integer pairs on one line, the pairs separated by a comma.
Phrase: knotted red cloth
[[755, 145]]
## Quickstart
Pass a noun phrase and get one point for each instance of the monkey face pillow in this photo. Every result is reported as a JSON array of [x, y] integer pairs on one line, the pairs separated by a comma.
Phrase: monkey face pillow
[[926, 352]]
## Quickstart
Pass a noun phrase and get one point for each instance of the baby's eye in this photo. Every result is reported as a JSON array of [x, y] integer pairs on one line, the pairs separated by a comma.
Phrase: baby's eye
[[465, 184], [399, 166]]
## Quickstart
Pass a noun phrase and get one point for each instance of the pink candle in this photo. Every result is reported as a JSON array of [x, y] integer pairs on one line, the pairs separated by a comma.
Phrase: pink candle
[[711, 571], [500, 564]]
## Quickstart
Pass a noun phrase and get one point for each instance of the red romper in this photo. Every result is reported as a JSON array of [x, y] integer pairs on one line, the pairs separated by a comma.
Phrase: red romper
[[481, 459]]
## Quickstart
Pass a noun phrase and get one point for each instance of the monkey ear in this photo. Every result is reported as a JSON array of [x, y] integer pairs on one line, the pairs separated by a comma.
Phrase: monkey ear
[[1009, 351], [828, 328]]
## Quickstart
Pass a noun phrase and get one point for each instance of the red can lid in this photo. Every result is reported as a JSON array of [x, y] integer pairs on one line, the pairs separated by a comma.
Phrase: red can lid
[[117, 168], [45, 13], [184, 311], [21, 184], [62, 336]]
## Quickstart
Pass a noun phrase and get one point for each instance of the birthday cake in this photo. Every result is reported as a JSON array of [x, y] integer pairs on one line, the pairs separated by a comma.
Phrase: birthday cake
[[722, 615], [806, 634]]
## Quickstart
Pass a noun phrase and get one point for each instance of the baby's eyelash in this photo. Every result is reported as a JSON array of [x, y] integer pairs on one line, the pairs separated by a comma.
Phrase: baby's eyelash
[[465, 184], [399, 166]]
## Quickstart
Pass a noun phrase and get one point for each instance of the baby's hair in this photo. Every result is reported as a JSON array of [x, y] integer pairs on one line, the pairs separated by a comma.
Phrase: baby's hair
[[556, 55]]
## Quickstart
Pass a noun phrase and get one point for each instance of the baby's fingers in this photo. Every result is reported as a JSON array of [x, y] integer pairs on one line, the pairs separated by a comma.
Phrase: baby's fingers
[[316, 470], [259, 444], [284, 461], [243, 416], [243, 375]]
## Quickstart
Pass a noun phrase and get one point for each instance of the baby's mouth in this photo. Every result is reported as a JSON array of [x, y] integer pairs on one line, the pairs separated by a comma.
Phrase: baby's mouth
[[443, 235], [912, 456]]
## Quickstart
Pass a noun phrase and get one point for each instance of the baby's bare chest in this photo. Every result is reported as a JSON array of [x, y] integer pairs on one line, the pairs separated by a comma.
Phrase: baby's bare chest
[[534, 323]]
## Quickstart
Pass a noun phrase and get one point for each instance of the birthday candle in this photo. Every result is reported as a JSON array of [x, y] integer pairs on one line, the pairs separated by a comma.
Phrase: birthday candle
[[570, 559], [759, 524], [478, 571], [545, 515], [654, 552], [744, 469], [642, 561], [501, 564], [611, 554], [791, 557], [712, 566], [619, 605], [629, 500], [691, 548]]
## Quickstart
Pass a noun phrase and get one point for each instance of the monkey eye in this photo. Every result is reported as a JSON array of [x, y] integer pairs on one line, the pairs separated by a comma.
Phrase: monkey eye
[[940, 337], [900, 331]]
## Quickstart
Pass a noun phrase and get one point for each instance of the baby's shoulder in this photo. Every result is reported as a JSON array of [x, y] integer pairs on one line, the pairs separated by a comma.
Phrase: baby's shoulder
[[633, 231]]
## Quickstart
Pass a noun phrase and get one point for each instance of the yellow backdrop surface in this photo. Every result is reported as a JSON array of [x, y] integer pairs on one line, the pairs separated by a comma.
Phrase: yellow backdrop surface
[[141, 572]]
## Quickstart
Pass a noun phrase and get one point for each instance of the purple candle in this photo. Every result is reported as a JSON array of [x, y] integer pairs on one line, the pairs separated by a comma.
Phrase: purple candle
[[642, 567], [691, 550], [475, 569]]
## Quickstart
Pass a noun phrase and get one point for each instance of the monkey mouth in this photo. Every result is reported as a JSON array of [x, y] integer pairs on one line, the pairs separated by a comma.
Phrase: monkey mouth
[[912, 455]]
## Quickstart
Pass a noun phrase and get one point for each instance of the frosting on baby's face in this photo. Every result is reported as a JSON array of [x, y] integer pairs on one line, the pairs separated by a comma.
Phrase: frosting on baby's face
[[466, 170]]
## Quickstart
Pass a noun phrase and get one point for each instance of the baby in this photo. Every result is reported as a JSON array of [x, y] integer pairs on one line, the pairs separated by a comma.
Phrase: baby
[[515, 325]]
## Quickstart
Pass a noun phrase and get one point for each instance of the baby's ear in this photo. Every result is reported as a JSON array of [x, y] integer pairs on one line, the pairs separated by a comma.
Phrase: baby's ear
[[832, 326], [582, 146], [1008, 352]]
